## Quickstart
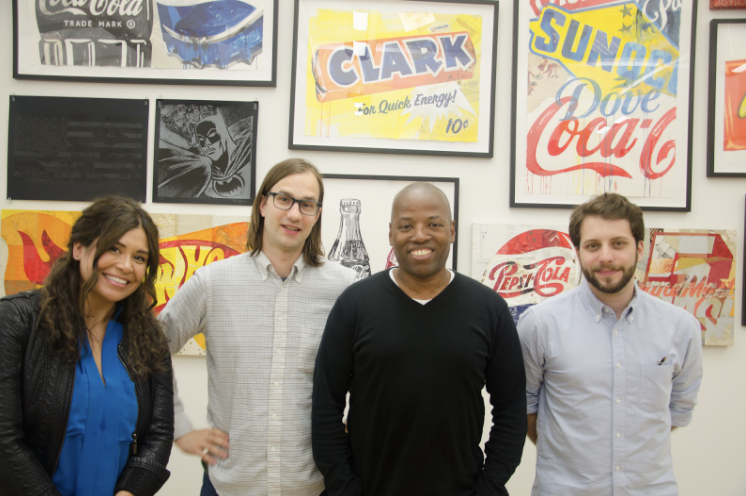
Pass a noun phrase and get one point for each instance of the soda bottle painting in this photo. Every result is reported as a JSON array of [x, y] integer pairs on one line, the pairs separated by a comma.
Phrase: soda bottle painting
[[349, 249], [218, 33], [112, 34]]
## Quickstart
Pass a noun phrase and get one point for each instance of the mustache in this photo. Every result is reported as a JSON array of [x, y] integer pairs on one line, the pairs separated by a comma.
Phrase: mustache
[[596, 268]]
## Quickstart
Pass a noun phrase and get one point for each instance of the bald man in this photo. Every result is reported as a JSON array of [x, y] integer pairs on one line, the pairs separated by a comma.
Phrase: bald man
[[414, 346]]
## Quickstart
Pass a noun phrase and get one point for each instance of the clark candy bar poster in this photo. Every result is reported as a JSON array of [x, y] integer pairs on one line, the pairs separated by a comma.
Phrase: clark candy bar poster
[[414, 77], [35, 239], [167, 41], [607, 102]]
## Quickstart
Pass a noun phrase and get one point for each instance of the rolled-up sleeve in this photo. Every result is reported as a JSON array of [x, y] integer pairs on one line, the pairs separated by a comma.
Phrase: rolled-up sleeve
[[532, 344], [687, 380]]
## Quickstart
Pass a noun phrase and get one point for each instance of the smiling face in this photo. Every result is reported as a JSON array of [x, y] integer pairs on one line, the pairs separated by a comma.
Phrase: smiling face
[[285, 231], [121, 269], [608, 255], [421, 232]]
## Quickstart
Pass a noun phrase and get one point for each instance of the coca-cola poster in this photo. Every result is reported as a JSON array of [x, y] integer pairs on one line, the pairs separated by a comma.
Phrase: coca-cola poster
[[224, 42], [356, 215], [726, 116], [392, 77], [33, 240], [694, 269], [205, 152], [606, 105], [524, 264]]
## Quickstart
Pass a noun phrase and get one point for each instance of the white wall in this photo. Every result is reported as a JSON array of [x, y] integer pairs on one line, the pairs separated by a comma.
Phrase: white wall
[[708, 455]]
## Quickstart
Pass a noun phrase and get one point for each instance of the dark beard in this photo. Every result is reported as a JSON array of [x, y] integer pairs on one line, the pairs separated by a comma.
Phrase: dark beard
[[627, 276]]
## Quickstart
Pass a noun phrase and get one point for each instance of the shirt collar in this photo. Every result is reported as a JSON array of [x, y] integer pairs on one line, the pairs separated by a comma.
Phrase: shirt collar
[[265, 268], [596, 306]]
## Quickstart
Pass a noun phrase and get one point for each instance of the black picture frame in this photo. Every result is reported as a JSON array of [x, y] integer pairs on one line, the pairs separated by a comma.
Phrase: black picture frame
[[376, 194], [188, 167], [716, 98], [419, 133], [567, 173], [243, 54], [76, 149]]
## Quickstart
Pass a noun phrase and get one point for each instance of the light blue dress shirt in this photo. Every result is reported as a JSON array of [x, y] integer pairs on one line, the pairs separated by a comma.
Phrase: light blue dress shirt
[[607, 392], [100, 424]]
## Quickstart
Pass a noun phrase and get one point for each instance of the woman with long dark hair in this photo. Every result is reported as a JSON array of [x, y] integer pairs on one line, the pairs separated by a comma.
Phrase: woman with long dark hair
[[85, 372]]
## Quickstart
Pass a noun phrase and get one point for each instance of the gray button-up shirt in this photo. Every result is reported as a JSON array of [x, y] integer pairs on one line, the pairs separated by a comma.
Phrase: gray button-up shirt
[[606, 392], [262, 335]]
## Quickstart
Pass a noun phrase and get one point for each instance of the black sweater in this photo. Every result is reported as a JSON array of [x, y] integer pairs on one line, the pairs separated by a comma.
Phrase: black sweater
[[415, 375]]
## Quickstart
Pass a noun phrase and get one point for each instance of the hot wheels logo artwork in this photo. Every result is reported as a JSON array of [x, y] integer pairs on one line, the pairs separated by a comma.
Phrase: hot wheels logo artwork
[[349, 69]]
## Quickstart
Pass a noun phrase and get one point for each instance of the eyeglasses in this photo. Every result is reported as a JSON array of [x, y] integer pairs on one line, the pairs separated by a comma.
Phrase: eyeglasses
[[286, 202]]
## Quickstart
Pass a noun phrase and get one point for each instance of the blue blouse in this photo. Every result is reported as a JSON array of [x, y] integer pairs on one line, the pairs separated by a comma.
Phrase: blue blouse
[[101, 422]]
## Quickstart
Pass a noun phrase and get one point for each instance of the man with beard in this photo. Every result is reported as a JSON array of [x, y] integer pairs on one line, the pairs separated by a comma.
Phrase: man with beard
[[610, 370], [415, 346]]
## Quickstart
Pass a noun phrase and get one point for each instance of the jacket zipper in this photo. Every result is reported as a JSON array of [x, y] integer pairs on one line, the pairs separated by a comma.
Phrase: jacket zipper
[[138, 394], [67, 419]]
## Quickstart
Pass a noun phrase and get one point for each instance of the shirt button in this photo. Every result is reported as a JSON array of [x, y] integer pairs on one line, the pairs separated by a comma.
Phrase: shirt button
[[274, 417], [617, 468], [618, 435], [618, 401], [277, 383], [616, 331], [272, 448], [598, 316], [279, 319], [619, 365], [631, 318]]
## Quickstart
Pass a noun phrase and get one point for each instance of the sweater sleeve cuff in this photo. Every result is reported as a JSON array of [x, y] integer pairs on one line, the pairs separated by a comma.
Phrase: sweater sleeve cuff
[[182, 425]]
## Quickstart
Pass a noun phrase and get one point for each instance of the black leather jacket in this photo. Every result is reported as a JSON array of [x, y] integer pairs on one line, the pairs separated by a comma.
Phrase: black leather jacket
[[35, 394]]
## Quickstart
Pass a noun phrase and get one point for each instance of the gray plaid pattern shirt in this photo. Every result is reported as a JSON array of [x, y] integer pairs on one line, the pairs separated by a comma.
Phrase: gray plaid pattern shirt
[[262, 335]]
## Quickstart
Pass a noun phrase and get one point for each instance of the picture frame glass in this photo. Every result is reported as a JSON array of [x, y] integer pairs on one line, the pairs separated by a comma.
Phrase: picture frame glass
[[602, 102]]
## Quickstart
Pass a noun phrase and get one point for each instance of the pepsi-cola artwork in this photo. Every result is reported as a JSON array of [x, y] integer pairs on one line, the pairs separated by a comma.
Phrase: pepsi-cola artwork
[[394, 77], [221, 42], [694, 269], [356, 216], [524, 264], [726, 116], [76, 149], [607, 102], [205, 152]]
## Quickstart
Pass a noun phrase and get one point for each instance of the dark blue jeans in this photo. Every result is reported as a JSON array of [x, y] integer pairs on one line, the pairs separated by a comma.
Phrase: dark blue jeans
[[207, 489]]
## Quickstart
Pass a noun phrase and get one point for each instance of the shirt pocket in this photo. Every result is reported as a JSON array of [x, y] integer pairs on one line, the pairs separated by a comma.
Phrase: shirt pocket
[[655, 387], [308, 347]]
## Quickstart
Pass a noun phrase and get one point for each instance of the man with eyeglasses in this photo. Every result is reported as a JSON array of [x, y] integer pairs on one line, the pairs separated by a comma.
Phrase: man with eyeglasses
[[262, 314]]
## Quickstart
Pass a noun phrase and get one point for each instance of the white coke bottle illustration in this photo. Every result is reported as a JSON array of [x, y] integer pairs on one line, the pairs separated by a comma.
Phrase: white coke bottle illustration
[[348, 249]]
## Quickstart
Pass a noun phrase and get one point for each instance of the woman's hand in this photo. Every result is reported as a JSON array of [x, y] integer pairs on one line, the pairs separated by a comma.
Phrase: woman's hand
[[124, 493]]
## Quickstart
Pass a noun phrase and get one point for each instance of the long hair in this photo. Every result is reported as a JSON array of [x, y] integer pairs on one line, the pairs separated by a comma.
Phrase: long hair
[[608, 206], [64, 295], [313, 250]]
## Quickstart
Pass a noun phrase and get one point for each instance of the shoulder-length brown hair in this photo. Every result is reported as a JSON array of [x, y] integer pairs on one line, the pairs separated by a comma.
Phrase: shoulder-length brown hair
[[64, 294], [313, 250]]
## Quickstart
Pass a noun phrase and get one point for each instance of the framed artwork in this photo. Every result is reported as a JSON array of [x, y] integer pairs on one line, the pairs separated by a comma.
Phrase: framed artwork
[[33, 240], [694, 269], [356, 216], [229, 42], [607, 102], [727, 4], [76, 149], [726, 116], [205, 152], [394, 77], [524, 264]]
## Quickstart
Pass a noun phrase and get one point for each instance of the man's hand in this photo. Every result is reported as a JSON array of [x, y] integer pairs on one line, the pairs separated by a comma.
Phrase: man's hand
[[210, 444]]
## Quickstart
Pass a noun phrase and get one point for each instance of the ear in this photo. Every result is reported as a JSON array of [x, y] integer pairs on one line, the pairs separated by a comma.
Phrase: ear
[[453, 231], [263, 205], [78, 251], [640, 249], [391, 235]]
